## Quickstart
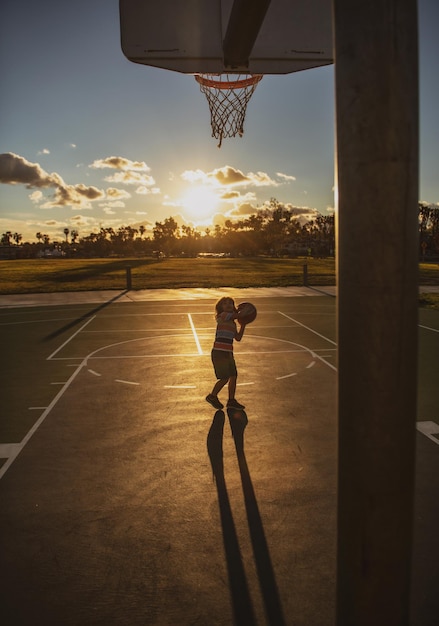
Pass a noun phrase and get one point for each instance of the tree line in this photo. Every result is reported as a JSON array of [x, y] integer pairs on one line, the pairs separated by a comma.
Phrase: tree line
[[275, 230]]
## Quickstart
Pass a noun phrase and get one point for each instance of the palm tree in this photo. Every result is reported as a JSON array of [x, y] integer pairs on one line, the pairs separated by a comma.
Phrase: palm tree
[[17, 238], [66, 233]]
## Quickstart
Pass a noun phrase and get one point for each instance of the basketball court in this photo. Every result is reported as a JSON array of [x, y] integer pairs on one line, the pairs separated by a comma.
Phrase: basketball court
[[128, 499]]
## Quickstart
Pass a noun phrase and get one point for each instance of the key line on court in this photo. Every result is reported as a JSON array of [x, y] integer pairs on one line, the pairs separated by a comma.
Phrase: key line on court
[[433, 330], [429, 429], [4, 468], [70, 338], [179, 386], [195, 334], [307, 327], [94, 373], [9, 449], [312, 352], [140, 356]]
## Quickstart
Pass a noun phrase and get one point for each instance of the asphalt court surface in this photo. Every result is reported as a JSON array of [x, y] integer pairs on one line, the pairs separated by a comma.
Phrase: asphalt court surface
[[129, 500]]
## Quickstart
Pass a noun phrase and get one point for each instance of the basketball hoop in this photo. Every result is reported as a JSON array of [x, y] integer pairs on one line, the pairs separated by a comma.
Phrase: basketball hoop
[[228, 101]]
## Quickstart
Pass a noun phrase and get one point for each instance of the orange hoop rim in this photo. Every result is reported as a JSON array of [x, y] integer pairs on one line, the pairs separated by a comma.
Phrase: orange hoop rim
[[227, 84]]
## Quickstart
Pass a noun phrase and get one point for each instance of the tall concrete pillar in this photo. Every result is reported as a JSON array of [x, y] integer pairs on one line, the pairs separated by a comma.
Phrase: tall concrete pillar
[[376, 70]]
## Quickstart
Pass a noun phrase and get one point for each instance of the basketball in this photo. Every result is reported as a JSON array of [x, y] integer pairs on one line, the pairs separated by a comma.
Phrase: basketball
[[246, 313]]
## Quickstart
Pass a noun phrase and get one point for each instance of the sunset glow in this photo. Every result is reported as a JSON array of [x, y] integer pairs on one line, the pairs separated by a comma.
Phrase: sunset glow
[[110, 144], [200, 203]]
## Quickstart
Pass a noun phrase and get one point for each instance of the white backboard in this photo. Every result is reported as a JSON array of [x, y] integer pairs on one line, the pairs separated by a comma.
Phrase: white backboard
[[187, 35]]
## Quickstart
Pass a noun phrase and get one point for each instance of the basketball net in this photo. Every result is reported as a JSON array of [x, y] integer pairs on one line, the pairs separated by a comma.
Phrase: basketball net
[[228, 101]]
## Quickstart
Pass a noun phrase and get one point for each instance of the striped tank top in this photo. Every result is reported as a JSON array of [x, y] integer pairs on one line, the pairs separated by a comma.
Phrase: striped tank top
[[225, 332]]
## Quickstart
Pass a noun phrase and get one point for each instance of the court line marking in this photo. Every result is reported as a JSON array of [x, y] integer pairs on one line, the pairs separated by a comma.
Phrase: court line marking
[[322, 360], [302, 348], [55, 319], [182, 354], [70, 338], [135, 330], [179, 386], [19, 447], [91, 355], [307, 328], [142, 356], [96, 356], [433, 330], [194, 332], [8, 449], [125, 382], [191, 354], [314, 355], [429, 429]]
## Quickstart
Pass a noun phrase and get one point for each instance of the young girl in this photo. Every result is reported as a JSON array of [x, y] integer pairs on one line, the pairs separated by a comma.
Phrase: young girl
[[222, 353]]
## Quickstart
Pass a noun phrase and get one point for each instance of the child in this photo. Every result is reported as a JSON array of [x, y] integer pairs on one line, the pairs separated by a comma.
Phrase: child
[[222, 353]]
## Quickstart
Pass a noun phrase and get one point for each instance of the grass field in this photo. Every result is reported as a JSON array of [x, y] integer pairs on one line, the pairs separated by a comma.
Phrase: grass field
[[58, 275], [61, 275]]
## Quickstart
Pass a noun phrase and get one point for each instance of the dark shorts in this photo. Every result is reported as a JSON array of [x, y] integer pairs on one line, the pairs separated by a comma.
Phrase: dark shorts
[[223, 364]]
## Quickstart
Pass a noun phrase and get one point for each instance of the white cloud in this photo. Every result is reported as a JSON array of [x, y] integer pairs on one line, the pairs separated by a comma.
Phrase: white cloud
[[115, 204], [243, 209], [286, 177], [195, 176], [229, 176], [15, 170], [36, 196], [131, 178], [120, 163], [112, 192], [142, 190]]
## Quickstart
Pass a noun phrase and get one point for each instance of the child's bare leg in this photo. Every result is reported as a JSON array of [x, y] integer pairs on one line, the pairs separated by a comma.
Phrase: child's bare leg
[[232, 387], [219, 385]]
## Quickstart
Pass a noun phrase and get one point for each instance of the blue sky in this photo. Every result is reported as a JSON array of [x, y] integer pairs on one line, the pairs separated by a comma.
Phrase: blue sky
[[93, 140]]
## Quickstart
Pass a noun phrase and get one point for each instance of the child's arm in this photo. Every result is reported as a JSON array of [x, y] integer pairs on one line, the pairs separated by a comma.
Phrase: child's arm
[[240, 333]]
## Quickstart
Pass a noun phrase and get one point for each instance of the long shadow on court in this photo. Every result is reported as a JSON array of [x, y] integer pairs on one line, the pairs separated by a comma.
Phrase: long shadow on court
[[241, 601], [83, 317]]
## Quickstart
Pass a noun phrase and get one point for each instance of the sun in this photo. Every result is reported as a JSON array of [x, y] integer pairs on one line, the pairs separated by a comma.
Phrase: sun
[[201, 203]]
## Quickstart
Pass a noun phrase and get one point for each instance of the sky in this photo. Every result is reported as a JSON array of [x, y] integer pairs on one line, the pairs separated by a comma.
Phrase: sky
[[89, 139]]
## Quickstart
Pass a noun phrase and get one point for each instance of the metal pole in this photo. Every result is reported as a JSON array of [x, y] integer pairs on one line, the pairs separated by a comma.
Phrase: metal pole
[[376, 70], [305, 275], [128, 277]]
